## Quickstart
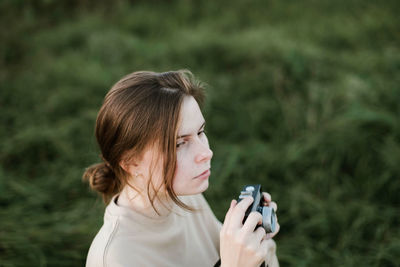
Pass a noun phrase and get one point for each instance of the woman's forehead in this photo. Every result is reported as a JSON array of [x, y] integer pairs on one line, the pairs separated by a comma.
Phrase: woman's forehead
[[191, 118]]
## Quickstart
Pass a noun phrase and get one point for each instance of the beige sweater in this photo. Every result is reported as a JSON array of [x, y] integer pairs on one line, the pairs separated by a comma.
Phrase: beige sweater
[[181, 238]]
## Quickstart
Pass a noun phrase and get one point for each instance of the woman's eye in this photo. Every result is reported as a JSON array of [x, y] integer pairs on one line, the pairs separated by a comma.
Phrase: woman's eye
[[180, 144], [201, 132]]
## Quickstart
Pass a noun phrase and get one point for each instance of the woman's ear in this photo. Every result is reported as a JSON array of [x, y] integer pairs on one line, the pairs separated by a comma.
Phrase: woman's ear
[[128, 165]]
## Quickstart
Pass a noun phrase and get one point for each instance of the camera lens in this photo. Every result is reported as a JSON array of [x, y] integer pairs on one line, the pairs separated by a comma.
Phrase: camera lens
[[269, 219]]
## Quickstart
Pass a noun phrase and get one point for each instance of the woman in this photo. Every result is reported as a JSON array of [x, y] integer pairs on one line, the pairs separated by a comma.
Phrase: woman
[[156, 164]]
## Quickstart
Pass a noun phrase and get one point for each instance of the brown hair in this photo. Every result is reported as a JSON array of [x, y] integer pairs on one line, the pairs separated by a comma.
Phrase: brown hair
[[140, 110]]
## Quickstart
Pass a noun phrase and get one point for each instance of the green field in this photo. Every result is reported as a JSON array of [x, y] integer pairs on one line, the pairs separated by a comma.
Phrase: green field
[[303, 97]]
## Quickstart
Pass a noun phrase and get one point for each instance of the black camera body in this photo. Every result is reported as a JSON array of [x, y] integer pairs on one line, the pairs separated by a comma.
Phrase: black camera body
[[268, 213]]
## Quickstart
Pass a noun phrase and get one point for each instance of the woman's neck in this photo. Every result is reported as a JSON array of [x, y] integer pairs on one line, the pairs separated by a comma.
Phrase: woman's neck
[[140, 202]]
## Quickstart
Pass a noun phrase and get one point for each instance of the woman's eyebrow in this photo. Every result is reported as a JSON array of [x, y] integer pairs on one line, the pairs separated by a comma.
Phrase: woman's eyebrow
[[186, 135]]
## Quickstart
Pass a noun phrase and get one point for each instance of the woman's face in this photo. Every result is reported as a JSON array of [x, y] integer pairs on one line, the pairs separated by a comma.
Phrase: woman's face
[[193, 155], [193, 152]]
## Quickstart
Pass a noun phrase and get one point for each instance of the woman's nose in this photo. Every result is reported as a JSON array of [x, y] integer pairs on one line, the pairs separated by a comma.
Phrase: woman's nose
[[204, 155]]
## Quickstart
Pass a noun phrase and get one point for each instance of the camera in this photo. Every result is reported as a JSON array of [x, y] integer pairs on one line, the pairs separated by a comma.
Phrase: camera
[[268, 213]]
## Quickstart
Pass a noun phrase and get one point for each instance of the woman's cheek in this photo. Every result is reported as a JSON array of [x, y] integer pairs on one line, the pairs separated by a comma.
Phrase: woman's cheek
[[179, 162]]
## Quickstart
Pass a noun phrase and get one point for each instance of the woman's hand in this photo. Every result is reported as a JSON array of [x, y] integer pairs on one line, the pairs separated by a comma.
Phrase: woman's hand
[[240, 245], [272, 204]]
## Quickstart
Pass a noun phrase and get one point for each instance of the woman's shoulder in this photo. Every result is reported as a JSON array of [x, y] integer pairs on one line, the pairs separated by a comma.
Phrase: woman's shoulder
[[100, 244], [117, 242]]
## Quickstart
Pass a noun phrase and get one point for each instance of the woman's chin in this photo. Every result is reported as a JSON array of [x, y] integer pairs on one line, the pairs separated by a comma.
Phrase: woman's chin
[[203, 187], [193, 191]]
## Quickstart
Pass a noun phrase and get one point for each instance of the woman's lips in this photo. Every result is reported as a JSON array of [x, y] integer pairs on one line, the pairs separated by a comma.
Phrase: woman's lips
[[204, 175]]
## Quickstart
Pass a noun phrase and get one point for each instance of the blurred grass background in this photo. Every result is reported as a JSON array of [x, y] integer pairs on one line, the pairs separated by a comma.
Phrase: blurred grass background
[[304, 98]]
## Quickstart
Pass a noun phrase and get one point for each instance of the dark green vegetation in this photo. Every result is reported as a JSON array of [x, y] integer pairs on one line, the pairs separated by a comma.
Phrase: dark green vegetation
[[304, 98]]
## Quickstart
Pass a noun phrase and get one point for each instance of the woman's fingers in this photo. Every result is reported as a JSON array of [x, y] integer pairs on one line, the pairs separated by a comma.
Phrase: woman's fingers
[[239, 211], [269, 202], [273, 205], [260, 233], [251, 222], [267, 197], [235, 215], [229, 213], [271, 235]]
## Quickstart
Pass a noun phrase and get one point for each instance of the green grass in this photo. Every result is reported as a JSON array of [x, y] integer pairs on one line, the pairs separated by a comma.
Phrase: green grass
[[303, 97]]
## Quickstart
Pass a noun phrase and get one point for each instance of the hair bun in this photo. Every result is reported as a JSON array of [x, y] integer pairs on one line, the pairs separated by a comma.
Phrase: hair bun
[[102, 179]]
